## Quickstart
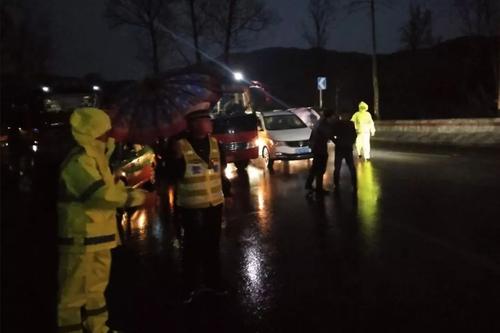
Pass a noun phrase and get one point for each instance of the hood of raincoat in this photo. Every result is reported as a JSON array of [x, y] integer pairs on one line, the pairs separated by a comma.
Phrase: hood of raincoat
[[363, 106], [87, 124]]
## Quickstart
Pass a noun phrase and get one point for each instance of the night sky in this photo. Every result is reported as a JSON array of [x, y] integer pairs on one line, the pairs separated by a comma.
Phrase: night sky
[[83, 42]]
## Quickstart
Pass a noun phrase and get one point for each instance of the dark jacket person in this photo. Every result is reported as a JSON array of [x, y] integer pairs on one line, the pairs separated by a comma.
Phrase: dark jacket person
[[344, 137], [318, 142]]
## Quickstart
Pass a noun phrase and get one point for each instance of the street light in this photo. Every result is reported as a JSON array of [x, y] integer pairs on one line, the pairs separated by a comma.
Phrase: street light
[[96, 88], [238, 76], [45, 89]]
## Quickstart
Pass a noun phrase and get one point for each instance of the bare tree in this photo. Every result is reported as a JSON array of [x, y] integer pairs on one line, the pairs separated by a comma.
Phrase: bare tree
[[321, 16], [195, 27], [148, 15], [194, 22], [371, 5], [24, 34], [417, 32], [168, 50], [231, 21], [479, 17], [495, 59], [482, 18]]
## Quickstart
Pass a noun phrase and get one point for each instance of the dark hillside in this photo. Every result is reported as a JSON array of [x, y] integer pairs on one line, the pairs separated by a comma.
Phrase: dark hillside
[[454, 79]]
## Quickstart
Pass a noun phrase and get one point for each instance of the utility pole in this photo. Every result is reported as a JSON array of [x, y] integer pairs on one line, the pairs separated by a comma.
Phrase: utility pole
[[376, 95]]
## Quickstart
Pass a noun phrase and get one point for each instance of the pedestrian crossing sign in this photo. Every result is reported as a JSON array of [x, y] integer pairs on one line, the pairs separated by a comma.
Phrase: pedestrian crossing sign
[[321, 83]]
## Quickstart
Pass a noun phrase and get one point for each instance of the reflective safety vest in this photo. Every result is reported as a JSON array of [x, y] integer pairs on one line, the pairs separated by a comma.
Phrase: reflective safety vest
[[201, 186]]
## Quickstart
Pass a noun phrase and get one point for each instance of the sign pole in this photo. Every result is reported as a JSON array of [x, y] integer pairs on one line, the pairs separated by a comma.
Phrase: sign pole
[[321, 99], [321, 82]]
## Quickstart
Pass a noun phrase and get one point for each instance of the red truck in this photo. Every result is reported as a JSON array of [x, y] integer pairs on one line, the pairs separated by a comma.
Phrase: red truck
[[238, 135], [235, 122]]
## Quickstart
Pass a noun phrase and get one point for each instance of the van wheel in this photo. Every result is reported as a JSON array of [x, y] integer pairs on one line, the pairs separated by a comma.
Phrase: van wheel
[[267, 158], [242, 165]]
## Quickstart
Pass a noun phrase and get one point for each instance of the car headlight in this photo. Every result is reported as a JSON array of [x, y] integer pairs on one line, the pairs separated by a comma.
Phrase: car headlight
[[279, 143]]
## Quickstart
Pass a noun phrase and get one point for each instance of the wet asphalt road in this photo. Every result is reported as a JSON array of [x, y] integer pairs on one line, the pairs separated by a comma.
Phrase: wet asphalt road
[[417, 248]]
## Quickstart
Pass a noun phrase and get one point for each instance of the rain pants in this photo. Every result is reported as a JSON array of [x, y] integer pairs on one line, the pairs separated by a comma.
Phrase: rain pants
[[365, 127]]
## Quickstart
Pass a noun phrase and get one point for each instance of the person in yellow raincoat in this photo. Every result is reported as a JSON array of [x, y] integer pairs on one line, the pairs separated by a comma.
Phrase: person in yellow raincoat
[[365, 127], [87, 230]]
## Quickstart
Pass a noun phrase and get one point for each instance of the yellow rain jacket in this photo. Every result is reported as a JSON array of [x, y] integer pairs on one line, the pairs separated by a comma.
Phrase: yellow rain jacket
[[89, 195], [363, 121]]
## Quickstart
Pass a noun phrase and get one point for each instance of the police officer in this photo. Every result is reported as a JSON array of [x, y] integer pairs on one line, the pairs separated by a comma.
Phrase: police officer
[[365, 128], [201, 186], [88, 199]]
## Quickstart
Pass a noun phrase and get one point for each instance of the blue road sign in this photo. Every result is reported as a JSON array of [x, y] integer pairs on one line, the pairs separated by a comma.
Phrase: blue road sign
[[321, 83]]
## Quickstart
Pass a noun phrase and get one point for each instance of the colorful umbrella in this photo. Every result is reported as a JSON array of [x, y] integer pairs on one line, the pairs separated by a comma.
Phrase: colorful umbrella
[[156, 107]]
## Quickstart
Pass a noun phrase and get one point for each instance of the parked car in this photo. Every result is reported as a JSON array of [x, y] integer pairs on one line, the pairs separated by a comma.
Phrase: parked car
[[135, 164], [282, 136], [308, 115]]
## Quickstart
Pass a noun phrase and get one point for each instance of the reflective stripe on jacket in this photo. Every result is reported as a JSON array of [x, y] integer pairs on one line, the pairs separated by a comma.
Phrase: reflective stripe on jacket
[[201, 186], [88, 199]]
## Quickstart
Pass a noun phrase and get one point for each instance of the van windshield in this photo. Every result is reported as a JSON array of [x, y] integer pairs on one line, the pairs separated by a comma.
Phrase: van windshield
[[235, 124], [283, 122]]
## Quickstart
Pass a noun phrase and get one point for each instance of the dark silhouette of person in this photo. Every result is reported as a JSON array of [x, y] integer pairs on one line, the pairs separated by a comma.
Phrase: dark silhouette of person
[[318, 142], [344, 137]]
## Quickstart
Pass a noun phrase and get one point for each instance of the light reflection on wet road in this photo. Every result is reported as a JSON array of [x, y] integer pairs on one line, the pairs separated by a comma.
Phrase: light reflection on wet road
[[415, 248], [368, 201], [280, 250]]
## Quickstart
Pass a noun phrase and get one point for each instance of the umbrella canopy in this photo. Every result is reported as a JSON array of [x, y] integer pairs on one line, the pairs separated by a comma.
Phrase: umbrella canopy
[[155, 107]]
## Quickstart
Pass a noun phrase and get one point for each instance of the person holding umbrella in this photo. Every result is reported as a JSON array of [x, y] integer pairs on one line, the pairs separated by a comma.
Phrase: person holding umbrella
[[197, 166], [163, 106]]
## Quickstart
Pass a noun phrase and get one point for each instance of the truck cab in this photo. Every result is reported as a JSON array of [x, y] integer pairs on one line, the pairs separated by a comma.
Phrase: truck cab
[[235, 122], [238, 135]]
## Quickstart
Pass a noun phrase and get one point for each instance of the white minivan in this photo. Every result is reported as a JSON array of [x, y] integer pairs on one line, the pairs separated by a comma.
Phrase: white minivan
[[282, 136]]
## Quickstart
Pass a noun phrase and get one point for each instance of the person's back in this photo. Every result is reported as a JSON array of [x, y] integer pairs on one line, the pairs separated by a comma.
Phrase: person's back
[[320, 135], [318, 142], [344, 133], [344, 136]]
